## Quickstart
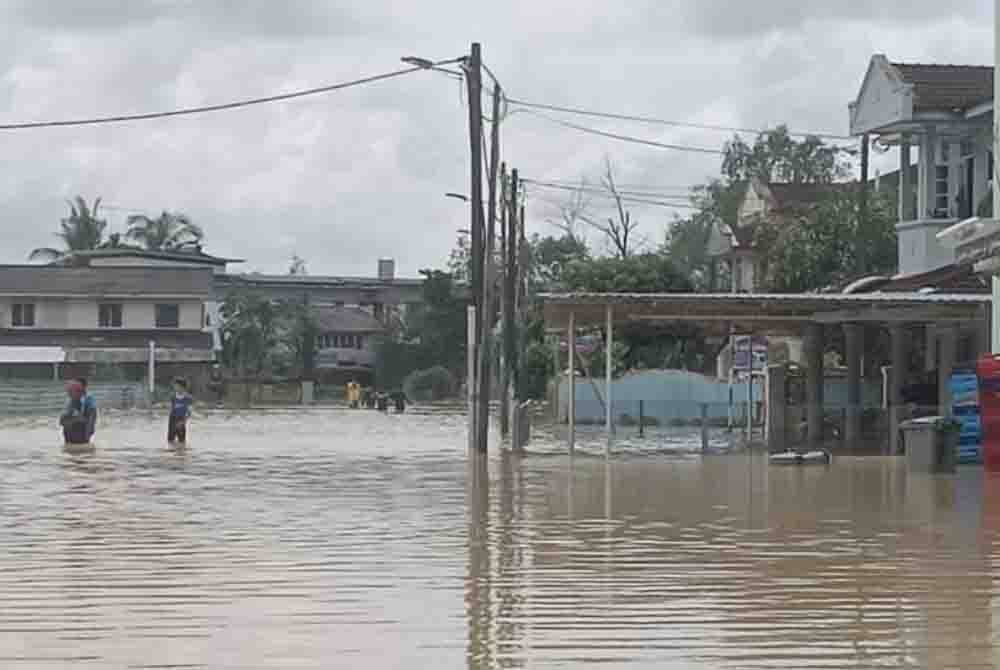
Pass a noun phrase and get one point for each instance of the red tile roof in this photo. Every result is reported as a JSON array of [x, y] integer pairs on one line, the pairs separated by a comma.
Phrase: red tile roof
[[947, 87]]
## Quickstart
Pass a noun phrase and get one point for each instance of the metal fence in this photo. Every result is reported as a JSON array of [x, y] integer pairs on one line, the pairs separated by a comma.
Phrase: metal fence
[[35, 397]]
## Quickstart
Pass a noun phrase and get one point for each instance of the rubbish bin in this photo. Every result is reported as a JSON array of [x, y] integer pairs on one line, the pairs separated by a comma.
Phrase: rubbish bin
[[931, 443]]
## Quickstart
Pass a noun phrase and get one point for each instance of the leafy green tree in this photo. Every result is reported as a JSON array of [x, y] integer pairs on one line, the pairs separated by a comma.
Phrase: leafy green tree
[[82, 230], [300, 330], [169, 231], [777, 156], [832, 246], [434, 334], [548, 258], [643, 273], [251, 333]]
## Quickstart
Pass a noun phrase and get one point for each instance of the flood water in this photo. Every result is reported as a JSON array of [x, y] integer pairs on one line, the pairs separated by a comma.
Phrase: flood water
[[337, 539]]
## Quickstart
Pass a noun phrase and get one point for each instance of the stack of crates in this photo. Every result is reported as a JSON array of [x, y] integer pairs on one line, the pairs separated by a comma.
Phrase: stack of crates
[[965, 408]]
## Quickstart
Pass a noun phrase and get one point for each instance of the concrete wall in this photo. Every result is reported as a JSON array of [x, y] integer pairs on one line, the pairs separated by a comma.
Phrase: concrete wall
[[918, 247], [677, 395]]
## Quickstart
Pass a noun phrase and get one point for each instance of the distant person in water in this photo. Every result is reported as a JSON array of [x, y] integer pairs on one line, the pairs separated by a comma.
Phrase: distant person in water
[[89, 409], [398, 400], [353, 394], [74, 419], [180, 412], [381, 401], [368, 398]]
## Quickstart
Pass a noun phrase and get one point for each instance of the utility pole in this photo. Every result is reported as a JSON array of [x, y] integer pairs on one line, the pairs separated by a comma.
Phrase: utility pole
[[489, 306], [474, 85], [505, 274], [510, 292]]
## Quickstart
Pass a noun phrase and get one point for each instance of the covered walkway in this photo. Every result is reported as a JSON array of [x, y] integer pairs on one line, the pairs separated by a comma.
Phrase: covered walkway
[[946, 319]]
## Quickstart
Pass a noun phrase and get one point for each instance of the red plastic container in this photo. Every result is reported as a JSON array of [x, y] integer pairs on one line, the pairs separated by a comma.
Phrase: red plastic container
[[988, 372]]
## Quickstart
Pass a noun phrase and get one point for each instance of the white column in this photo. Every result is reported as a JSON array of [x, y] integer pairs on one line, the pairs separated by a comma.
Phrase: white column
[[571, 374], [905, 185], [151, 369], [928, 163], [608, 369]]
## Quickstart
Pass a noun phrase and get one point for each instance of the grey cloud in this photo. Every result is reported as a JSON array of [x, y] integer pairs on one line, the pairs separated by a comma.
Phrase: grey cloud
[[743, 19]]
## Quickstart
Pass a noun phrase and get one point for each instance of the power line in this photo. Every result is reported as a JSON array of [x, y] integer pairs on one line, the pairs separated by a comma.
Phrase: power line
[[208, 108], [664, 122], [624, 138], [667, 191], [600, 190], [624, 198]]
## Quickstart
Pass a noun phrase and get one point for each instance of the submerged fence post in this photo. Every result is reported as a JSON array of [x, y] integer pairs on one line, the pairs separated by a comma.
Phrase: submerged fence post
[[704, 426], [642, 420]]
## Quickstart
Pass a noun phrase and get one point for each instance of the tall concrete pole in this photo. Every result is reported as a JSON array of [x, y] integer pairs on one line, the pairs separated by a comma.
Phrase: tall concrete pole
[[474, 83]]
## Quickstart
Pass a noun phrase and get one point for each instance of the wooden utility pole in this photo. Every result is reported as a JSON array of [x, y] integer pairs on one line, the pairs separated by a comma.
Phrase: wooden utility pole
[[510, 292], [489, 306], [505, 275], [474, 85]]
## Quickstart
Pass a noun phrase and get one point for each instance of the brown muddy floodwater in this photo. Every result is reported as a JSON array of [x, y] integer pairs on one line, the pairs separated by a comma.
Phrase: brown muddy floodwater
[[336, 539]]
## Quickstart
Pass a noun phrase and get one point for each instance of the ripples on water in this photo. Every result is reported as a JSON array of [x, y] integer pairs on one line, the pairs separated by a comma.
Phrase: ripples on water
[[330, 539]]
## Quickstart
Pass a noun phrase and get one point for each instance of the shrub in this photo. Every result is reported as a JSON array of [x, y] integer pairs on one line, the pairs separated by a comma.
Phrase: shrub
[[434, 383]]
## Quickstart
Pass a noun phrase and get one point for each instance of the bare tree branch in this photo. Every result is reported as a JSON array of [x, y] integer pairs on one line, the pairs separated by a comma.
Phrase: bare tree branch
[[621, 231]]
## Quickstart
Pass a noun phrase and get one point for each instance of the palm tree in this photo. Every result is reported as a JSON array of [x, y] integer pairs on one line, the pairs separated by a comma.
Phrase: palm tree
[[166, 232], [82, 230]]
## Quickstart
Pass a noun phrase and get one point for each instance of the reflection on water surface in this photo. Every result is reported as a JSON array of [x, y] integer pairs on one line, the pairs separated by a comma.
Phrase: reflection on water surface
[[353, 539]]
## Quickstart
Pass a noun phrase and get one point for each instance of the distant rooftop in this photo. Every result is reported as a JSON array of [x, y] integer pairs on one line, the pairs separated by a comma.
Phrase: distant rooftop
[[347, 320], [69, 281], [188, 255], [300, 280]]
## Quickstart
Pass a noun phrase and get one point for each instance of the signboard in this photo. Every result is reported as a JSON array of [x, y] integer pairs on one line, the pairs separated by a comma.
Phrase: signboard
[[585, 344], [749, 349], [988, 372]]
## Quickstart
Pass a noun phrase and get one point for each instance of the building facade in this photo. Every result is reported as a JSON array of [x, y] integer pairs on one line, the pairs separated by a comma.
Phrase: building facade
[[63, 320]]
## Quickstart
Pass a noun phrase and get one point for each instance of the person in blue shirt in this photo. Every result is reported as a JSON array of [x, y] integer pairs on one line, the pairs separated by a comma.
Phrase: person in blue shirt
[[180, 411]]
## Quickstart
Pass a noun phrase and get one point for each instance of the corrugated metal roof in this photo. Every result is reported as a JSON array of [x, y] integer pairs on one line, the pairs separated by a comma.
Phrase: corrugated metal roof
[[316, 280], [50, 280], [947, 88], [803, 299]]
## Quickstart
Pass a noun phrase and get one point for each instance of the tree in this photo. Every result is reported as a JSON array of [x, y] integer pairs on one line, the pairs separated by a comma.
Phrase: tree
[[460, 259], [300, 330], [434, 334], [250, 332], [832, 245], [297, 268], [572, 213], [776, 156], [687, 246], [548, 258], [167, 232], [643, 273], [620, 230], [82, 230]]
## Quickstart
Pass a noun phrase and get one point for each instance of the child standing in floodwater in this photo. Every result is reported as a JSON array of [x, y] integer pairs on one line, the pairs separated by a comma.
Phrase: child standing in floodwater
[[74, 419], [180, 411]]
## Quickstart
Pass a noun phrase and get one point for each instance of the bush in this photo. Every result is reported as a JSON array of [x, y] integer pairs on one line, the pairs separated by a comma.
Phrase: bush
[[434, 383]]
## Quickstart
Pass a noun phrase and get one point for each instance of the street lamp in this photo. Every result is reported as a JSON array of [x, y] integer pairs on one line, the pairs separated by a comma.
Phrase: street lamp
[[457, 196], [428, 64]]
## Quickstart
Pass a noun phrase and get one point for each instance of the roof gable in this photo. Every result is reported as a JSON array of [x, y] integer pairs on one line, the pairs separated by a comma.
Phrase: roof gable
[[885, 98]]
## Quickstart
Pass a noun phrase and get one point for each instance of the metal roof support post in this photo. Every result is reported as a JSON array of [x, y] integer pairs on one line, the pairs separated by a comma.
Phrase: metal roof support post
[[814, 383], [608, 369], [571, 374], [854, 340]]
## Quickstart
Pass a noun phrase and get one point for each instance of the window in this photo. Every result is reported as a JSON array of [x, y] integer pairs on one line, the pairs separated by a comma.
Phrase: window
[[358, 342], [109, 315], [23, 315], [168, 316]]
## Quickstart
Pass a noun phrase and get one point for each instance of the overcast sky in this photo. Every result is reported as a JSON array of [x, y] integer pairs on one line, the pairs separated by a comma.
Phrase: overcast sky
[[345, 178]]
